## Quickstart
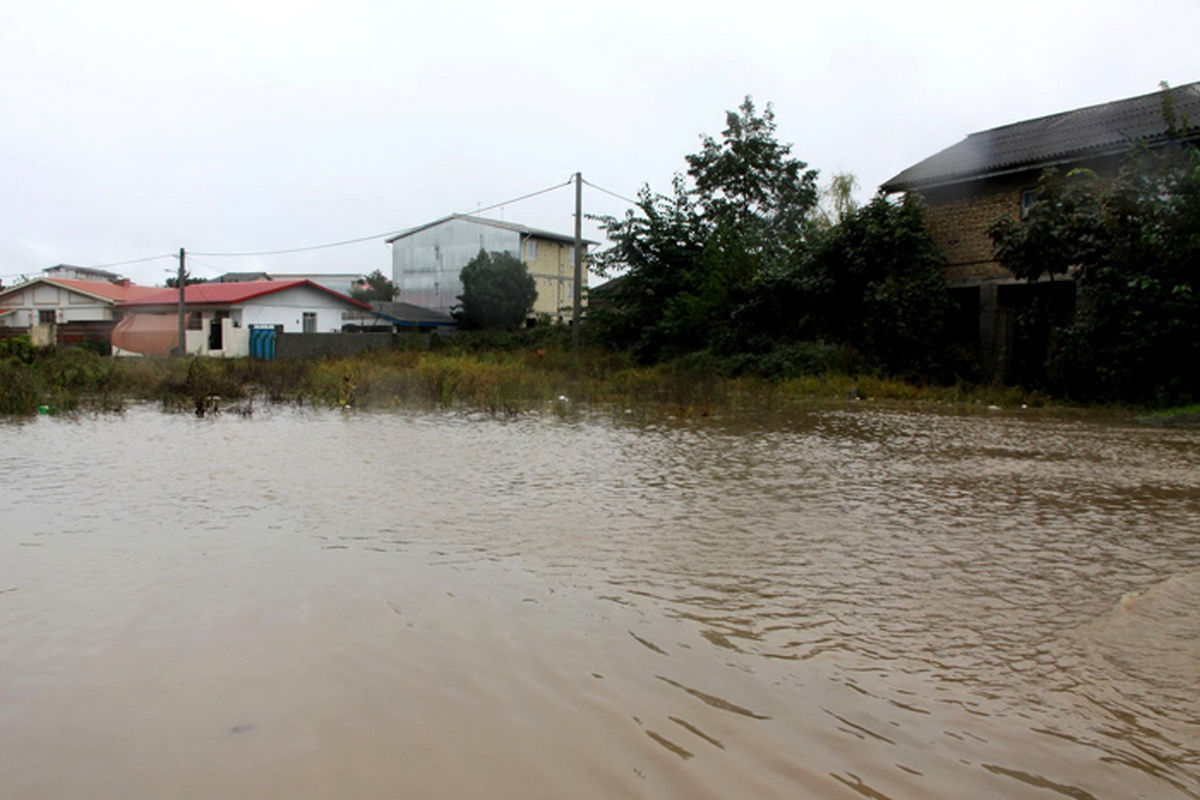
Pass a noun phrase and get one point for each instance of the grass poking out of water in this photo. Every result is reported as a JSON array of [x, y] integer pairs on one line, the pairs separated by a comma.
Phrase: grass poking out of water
[[498, 381]]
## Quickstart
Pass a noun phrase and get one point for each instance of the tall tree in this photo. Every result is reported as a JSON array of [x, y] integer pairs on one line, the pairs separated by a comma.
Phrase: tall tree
[[378, 287], [498, 292], [1132, 245], [692, 258]]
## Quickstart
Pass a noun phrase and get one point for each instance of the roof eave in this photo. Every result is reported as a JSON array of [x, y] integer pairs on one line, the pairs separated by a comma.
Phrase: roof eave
[[892, 186]]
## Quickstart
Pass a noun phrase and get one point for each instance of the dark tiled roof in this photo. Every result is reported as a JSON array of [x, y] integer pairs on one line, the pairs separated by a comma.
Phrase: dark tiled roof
[[408, 313], [1092, 131], [240, 277]]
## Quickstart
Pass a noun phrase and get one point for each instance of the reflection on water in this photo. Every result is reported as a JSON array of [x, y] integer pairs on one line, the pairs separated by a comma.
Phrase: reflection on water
[[842, 602]]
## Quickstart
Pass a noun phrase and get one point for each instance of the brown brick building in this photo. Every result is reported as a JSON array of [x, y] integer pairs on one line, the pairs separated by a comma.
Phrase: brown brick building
[[993, 173]]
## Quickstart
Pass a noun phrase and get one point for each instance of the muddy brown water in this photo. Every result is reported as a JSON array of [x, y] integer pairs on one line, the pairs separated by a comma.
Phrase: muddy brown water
[[843, 601]]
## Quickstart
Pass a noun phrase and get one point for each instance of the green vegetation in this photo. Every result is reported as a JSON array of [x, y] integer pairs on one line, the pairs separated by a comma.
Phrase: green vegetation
[[1132, 245], [379, 287], [498, 292], [500, 373], [741, 264], [739, 291]]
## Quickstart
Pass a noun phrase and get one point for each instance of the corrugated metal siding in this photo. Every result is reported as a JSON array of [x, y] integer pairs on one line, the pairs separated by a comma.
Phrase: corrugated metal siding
[[426, 264]]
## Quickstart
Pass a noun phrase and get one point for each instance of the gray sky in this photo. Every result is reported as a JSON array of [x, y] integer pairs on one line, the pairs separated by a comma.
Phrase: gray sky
[[131, 128]]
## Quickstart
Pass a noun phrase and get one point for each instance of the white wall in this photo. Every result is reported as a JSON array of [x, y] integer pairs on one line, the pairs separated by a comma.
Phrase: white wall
[[235, 339], [68, 306], [287, 308]]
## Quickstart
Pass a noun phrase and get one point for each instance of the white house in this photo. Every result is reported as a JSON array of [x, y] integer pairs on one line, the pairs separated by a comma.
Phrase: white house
[[65, 310], [220, 315], [427, 260]]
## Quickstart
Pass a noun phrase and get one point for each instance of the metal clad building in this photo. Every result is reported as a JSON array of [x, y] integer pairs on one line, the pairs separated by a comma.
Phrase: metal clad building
[[427, 260]]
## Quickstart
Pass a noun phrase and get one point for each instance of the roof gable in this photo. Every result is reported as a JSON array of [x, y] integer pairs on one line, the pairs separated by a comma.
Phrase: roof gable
[[1105, 129], [524, 230], [97, 290]]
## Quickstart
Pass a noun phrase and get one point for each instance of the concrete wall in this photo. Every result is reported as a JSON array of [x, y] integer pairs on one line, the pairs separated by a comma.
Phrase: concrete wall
[[310, 345]]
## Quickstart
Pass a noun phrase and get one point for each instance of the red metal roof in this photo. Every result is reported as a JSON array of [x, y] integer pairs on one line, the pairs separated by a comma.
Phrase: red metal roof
[[111, 291], [201, 294]]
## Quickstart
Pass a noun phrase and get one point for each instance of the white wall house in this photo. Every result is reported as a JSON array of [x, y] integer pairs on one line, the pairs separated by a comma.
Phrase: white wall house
[[65, 309], [427, 260], [220, 315]]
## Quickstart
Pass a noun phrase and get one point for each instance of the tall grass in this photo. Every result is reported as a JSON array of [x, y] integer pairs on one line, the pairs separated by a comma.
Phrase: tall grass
[[506, 380]]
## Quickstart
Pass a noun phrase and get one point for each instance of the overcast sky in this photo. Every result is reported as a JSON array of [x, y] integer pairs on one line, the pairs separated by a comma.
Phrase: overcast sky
[[131, 128]]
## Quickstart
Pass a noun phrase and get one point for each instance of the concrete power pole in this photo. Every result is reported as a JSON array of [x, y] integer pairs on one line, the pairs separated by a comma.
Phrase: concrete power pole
[[180, 281], [577, 294]]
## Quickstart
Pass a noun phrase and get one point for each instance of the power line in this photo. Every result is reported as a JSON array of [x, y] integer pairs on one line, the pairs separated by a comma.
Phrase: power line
[[133, 261], [325, 245], [374, 236], [191, 259], [607, 191], [523, 197], [304, 249]]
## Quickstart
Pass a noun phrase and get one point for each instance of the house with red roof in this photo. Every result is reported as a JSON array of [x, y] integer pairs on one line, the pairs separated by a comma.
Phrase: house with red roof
[[220, 316], [53, 310]]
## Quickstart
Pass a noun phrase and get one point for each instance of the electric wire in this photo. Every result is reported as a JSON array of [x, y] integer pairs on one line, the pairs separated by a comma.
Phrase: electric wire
[[522, 197], [134, 261], [610, 192], [286, 251]]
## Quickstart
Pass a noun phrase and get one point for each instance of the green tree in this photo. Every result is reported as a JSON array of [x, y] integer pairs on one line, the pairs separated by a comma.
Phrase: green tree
[[378, 287], [1132, 245], [1061, 231], [691, 259], [872, 282], [188, 280], [498, 292], [836, 201]]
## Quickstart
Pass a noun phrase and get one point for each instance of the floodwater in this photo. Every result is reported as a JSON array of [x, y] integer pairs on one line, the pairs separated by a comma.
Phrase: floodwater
[[841, 602]]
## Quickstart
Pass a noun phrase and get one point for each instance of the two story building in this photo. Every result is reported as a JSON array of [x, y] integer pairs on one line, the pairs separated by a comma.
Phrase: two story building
[[427, 260], [994, 173]]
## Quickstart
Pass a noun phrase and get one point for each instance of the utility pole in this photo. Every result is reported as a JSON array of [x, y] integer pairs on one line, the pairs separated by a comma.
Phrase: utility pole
[[179, 283], [577, 297]]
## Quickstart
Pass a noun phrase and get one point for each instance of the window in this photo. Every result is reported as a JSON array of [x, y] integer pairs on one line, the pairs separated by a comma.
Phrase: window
[[530, 249], [194, 321], [310, 322], [46, 316], [1028, 196]]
